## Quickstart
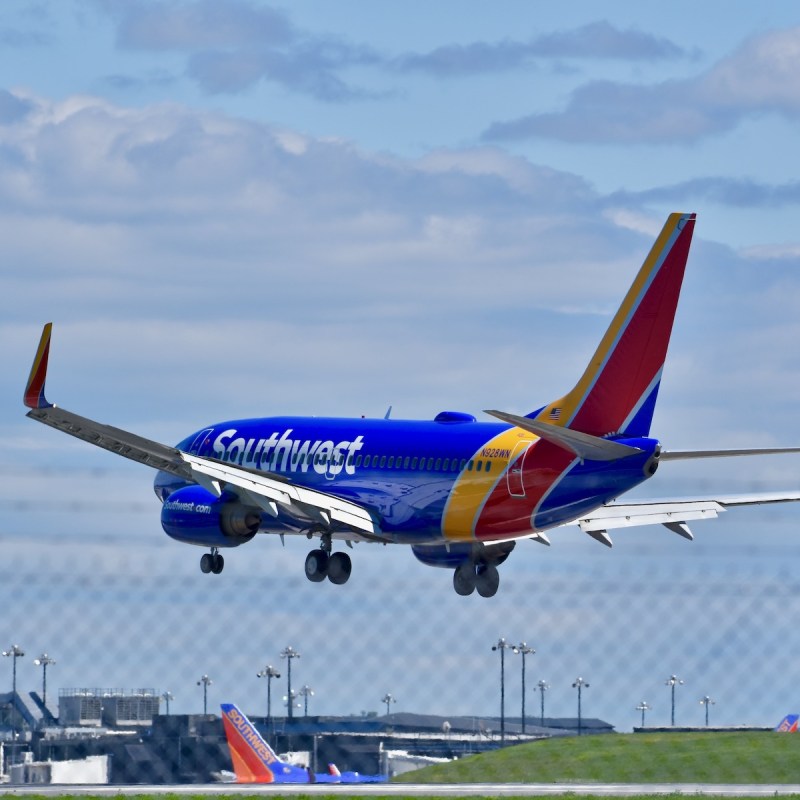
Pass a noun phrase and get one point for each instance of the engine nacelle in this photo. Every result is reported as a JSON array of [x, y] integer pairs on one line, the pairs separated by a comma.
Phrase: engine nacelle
[[195, 516]]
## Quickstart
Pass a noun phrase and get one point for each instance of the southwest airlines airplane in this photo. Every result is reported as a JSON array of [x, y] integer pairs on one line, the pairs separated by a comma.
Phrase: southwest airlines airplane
[[254, 761], [460, 492]]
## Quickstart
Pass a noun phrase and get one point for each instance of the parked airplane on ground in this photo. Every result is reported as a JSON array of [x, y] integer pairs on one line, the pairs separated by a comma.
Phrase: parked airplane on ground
[[254, 761], [461, 493]]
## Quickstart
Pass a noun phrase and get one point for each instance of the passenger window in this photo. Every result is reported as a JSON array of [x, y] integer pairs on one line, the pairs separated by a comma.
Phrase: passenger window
[[367, 459], [463, 463], [391, 461], [406, 462], [438, 464], [470, 465], [446, 464], [488, 466], [479, 466], [383, 462], [358, 461], [414, 463], [430, 463]]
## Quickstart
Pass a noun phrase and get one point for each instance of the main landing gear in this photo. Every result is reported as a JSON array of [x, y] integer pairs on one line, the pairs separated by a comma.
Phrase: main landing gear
[[470, 576], [212, 562], [322, 563]]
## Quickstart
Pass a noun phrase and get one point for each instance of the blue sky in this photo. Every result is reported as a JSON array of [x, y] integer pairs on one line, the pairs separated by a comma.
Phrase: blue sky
[[240, 208]]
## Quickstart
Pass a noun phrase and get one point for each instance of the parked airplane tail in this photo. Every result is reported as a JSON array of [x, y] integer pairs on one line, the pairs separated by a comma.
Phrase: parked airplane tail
[[254, 761], [788, 724], [617, 392]]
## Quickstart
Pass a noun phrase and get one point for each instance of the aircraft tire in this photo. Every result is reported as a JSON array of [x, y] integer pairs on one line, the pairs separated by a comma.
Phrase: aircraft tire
[[317, 565], [487, 580], [218, 565], [206, 563], [339, 568], [464, 579]]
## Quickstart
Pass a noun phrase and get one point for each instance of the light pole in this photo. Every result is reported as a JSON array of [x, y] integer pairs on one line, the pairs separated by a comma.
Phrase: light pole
[[672, 682], [289, 701], [289, 653], [523, 650], [14, 652], [166, 697], [643, 707], [269, 672], [542, 686], [44, 661], [707, 701], [305, 693], [580, 684], [502, 645], [388, 699], [205, 682]]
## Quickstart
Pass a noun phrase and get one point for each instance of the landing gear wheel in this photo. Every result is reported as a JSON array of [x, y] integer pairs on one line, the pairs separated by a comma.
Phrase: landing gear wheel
[[464, 579], [207, 563], [317, 565], [487, 580], [218, 565], [339, 568]]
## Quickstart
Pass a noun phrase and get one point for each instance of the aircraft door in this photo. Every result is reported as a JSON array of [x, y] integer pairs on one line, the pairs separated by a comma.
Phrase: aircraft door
[[514, 477]]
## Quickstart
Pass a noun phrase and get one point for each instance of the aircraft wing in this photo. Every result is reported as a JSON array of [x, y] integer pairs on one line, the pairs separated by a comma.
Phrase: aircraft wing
[[265, 490], [269, 491], [672, 514]]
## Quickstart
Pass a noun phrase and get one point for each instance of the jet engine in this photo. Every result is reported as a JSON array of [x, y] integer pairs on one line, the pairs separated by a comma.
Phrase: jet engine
[[195, 516]]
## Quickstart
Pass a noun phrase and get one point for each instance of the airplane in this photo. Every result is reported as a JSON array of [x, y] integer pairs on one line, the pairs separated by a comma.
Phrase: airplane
[[254, 761], [460, 492], [788, 724]]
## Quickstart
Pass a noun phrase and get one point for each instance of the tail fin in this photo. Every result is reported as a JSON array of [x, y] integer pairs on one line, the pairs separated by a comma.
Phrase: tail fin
[[788, 724], [617, 392], [254, 761]]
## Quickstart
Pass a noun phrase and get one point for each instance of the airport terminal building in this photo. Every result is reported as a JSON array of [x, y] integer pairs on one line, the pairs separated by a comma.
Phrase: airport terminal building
[[143, 745]]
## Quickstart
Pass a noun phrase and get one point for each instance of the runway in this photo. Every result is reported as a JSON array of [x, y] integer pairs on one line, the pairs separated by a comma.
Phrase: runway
[[422, 790]]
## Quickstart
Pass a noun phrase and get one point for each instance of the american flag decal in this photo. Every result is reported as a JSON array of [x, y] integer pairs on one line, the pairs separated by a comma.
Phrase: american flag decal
[[555, 413]]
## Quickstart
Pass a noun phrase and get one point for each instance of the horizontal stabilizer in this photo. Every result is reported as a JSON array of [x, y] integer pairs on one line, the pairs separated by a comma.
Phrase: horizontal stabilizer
[[677, 455], [583, 445]]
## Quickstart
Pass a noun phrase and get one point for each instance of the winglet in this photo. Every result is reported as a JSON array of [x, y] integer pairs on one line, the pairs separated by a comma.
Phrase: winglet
[[34, 391]]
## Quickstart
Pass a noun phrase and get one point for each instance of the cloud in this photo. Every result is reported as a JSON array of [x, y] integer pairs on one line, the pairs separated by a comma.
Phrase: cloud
[[597, 40], [759, 77], [232, 46], [200, 25], [733, 192], [12, 107]]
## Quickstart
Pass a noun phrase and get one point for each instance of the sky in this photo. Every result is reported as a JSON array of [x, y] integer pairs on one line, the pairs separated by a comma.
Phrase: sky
[[240, 208]]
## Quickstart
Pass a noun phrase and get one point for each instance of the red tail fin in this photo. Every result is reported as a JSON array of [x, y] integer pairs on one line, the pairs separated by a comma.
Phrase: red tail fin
[[617, 392]]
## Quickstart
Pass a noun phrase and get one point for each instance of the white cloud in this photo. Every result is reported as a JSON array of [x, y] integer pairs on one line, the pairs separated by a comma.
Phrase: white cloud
[[757, 78]]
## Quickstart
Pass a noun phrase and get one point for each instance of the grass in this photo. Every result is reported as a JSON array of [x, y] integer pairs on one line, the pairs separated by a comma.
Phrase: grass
[[736, 757]]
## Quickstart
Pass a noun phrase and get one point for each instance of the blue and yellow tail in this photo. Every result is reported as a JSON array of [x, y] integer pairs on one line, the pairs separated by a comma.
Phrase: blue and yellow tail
[[618, 390]]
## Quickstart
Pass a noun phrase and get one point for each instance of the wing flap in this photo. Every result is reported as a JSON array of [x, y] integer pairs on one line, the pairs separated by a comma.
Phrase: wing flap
[[655, 513], [673, 514], [293, 498]]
